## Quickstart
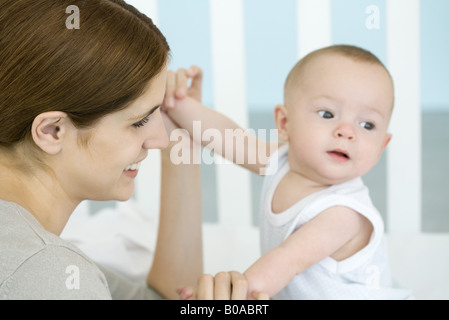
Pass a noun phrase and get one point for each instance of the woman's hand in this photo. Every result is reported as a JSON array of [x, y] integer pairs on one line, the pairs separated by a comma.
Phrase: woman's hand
[[224, 286]]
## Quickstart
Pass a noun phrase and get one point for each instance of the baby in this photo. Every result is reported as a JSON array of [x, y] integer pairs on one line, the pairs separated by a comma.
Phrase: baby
[[321, 236]]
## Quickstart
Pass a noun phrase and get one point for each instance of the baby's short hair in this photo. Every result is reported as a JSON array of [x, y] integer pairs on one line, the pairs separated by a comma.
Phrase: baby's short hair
[[348, 51]]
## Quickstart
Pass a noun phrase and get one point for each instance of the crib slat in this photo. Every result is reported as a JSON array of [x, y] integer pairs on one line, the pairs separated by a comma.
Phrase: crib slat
[[148, 182], [314, 25], [404, 154], [229, 78], [149, 7]]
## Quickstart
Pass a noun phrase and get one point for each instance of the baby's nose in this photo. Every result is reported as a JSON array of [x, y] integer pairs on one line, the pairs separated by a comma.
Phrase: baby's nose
[[345, 131]]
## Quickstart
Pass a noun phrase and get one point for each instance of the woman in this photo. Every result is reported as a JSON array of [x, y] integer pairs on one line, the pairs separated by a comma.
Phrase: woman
[[79, 111]]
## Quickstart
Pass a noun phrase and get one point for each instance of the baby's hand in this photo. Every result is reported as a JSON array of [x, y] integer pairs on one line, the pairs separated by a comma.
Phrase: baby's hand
[[185, 293], [178, 85]]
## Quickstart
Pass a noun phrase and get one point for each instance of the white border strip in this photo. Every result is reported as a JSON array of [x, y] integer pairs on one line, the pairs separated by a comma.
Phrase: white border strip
[[404, 154]]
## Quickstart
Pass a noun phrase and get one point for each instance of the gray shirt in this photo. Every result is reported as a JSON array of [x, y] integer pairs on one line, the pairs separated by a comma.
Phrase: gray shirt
[[36, 264]]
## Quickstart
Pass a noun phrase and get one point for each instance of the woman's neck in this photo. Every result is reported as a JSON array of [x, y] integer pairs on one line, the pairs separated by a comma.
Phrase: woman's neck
[[39, 193]]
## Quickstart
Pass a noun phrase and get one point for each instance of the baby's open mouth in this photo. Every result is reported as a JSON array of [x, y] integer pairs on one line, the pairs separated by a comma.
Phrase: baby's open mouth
[[339, 155]]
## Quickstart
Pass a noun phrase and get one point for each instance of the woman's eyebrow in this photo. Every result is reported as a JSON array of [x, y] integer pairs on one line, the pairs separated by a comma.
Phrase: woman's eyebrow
[[146, 114]]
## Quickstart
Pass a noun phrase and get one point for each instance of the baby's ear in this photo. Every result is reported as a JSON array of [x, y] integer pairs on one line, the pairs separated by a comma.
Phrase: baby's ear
[[385, 144], [48, 131], [280, 119], [388, 140]]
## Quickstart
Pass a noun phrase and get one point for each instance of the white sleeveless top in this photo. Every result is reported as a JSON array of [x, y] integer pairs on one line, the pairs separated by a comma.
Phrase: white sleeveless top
[[365, 275]]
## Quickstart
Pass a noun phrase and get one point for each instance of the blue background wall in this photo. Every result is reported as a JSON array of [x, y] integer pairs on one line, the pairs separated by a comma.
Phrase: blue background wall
[[271, 32]]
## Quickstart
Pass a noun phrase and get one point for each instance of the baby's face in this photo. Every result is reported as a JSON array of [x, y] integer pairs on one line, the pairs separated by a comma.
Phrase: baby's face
[[337, 119]]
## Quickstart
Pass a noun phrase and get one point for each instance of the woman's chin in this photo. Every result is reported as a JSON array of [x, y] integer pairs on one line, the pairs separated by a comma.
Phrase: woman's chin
[[125, 196], [121, 195]]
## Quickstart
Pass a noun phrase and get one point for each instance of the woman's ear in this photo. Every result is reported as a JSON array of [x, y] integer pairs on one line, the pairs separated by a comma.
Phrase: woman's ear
[[281, 119], [49, 129]]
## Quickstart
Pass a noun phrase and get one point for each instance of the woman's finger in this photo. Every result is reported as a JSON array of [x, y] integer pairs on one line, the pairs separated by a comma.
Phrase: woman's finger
[[222, 288], [239, 286], [205, 289], [260, 296]]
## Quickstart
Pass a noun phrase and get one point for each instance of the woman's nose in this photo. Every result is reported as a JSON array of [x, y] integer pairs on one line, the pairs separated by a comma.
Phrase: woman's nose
[[346, 131], [157, 137]]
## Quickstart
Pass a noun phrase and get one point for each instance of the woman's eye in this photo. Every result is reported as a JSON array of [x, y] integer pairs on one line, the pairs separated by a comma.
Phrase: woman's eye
[[367, 125], [325, 114], [142, 122]]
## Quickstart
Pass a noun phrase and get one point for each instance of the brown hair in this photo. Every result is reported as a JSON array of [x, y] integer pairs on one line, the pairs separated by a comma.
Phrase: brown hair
[[87, 72], [349, 51]]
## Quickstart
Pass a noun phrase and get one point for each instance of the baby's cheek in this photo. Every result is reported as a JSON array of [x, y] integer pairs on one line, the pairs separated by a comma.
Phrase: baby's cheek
[[368, 159]]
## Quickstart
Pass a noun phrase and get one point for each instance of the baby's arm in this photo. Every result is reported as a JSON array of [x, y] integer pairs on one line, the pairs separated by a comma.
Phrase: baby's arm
[[222, 135], [326, 235]]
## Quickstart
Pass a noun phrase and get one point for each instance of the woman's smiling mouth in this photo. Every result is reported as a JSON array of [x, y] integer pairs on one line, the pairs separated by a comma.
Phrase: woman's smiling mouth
[[132, 170]]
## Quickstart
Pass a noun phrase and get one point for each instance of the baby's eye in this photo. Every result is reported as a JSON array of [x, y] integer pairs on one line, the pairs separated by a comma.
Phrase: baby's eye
[[367, 125], [325, 114]]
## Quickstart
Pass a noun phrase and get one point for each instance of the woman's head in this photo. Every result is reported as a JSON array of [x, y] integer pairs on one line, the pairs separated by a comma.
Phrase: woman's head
[[87, 73], [77, 100]]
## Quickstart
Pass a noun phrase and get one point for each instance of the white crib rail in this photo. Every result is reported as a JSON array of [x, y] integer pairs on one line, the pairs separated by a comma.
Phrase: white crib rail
[[228, 52], [314, 25]]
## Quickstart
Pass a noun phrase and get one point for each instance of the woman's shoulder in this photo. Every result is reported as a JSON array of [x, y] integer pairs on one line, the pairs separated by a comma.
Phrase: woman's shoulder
[[54, 272], [22, 237], [35, 264]]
